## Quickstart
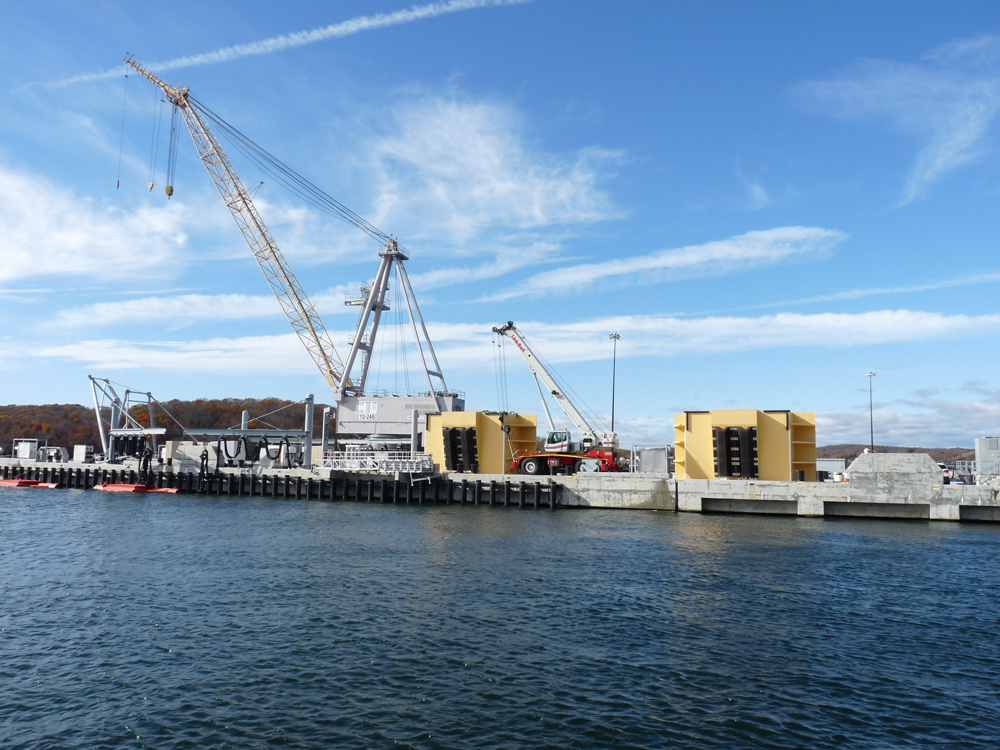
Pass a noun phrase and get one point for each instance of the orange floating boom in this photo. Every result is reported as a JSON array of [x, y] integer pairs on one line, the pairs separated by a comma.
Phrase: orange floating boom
[[146, 488]]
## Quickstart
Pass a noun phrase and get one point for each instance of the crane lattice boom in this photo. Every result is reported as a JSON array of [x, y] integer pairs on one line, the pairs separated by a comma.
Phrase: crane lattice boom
[[298, 309]]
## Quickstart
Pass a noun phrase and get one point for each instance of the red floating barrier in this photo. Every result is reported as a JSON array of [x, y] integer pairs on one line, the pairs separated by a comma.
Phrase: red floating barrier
[[27, 483], [145, 488]]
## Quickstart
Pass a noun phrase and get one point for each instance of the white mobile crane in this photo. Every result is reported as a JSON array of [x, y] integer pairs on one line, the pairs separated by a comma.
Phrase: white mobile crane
[[594, 452]]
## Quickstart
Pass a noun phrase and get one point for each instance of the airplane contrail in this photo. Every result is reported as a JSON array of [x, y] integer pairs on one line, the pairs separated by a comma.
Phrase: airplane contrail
[[301, 38]]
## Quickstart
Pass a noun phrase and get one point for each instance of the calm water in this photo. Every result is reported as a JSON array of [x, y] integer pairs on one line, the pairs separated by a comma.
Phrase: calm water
[[179, 622]]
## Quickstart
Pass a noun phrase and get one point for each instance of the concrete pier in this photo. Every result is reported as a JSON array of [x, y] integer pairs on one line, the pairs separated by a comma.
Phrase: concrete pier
[[901, 486], [459, 489], [646, 491], [941, 503], [880, 485]]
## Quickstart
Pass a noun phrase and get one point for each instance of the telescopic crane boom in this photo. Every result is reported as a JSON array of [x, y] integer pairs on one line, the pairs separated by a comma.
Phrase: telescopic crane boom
[[298, 309], [589, 437]]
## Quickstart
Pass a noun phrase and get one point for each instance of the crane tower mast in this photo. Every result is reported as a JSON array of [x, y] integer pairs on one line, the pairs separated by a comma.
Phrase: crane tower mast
[[301, 314]]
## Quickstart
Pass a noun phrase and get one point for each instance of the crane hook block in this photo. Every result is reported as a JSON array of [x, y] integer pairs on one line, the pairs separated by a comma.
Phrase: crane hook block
[[151, 187], [170, 190]]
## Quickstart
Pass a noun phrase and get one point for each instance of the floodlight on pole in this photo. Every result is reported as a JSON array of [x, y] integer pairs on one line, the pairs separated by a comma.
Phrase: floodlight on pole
[[871, 410], [615, 338]]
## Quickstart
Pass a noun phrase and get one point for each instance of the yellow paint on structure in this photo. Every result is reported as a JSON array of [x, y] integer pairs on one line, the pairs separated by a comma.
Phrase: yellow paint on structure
[[489, 437], [786, 442]]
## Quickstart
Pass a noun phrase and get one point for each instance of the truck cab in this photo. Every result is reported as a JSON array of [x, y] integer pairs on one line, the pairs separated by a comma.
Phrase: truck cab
[[558, 441], [561, 441]]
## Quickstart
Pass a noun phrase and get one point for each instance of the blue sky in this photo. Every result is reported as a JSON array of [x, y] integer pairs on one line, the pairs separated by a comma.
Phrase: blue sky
[[766, 200]]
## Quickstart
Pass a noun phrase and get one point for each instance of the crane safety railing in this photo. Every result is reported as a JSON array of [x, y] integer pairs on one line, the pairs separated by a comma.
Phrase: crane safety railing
[[384, 393], [379, 462]]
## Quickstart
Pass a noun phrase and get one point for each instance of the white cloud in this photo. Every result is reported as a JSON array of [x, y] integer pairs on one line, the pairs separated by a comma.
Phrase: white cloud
[[458, 170], [948, 102], [736, 253], [643, 430], [928, 419], [468, 344], [46, 230], [982, 278], [505, 262], [665, 336], [301, 38], [277, 355], [172, 312], [759, 197], [922, 422], [187, 309]]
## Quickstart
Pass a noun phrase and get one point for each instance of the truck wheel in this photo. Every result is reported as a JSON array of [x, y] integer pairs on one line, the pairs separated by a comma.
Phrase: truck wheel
[[532, 466]]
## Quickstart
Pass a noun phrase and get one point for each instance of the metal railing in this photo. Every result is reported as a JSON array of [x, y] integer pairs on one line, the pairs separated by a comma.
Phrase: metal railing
[[383, 393], [379, 462], [980, 471]]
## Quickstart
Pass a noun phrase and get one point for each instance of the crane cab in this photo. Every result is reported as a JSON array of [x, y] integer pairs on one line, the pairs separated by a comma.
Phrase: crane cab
[[557, 442], [561, 441]]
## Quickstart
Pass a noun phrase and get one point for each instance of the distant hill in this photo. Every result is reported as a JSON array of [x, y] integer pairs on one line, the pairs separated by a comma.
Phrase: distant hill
[[72, 424], [851, 451]]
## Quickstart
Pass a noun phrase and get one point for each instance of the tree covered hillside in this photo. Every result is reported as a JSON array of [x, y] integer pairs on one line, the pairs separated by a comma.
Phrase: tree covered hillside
[[62, 424]]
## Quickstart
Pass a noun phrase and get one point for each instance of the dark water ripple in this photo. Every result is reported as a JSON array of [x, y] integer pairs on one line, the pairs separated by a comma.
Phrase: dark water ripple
[[178, 622]]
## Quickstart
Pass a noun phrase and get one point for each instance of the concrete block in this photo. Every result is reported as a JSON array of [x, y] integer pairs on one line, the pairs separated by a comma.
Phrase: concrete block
[[944, 512], [979, 513], [689, 502], [810, 506], [613, 490], [735, 505], [877, 510]]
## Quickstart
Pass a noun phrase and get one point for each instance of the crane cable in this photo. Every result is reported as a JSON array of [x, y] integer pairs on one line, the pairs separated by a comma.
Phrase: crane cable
[[395, 336], [400, 326], [288, 177], [381, 353], [503, 353], [121, 139], [172, 153], [500, 371], [154, 146], [494, 346]]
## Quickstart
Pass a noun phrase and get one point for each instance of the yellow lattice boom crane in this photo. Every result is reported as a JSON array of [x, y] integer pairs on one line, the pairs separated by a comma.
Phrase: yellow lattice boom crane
[[298, 309]]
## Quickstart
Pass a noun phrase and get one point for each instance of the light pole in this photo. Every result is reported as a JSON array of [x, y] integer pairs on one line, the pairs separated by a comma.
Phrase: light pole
[[615, 338], [871, 411]]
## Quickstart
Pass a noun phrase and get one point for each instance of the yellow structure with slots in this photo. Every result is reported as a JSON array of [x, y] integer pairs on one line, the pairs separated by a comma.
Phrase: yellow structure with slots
[[746, 443], [493, 451]]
